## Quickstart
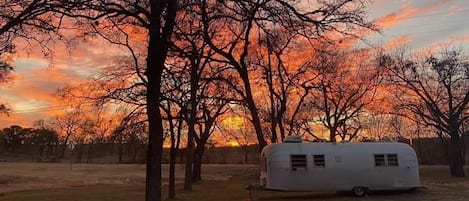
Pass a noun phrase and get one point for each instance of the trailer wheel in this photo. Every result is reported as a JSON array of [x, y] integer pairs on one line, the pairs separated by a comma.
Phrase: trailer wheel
[[359, 191]]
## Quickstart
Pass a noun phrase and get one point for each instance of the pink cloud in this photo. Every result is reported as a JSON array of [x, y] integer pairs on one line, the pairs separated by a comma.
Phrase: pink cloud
[[31, 93], [392, 19], [408, 12]]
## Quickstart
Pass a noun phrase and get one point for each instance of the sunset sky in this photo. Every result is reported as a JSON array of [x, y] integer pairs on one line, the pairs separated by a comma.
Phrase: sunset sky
[[417, 23]]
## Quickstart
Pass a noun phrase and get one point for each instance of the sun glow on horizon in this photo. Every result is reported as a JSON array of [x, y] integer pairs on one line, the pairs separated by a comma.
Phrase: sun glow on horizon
[[234, 121], [233, 143]]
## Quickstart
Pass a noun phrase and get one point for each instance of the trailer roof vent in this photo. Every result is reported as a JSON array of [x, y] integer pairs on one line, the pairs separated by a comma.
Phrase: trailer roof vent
[[292, 139]]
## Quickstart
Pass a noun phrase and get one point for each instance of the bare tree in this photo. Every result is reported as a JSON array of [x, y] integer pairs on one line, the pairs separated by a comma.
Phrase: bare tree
[[175, 123], [70, 124], [231, 28], [347, 83], [132, 130], [161, 16], [436, 89], [98, 126], [202, 95], [288, 85], [156, 19], [212, 109], [176, 96]]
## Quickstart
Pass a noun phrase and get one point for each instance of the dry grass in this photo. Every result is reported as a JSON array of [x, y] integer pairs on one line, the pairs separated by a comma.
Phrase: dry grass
[[55, 182], [30, 176]]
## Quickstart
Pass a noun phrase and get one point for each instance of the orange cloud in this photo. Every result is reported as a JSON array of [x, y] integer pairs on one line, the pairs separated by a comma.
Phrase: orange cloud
[[407, 12], [392, 19], [31, 94]]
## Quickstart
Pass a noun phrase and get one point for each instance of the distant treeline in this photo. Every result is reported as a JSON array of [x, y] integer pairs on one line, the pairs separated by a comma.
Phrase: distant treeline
[[429, 151], [121, 153]]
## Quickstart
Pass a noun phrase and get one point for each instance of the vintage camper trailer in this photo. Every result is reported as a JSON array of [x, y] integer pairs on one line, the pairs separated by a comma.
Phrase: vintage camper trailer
[[325, 166]]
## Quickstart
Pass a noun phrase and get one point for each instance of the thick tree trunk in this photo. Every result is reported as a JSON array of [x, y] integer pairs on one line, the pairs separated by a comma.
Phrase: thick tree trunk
[[155, 60], [194, 82], [332, 134], [154, 152], [199, 153], [257, 126], [253, 109], [189, 163], [455, 156], [155, 138], [282, 129], [332, 138], [158, 45], [175, 141]]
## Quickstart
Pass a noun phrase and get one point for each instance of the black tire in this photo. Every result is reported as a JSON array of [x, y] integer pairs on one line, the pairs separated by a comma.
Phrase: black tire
[[359, 191]]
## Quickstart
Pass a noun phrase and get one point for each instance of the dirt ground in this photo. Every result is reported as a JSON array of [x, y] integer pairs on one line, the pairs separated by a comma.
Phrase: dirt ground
[[90, 182]]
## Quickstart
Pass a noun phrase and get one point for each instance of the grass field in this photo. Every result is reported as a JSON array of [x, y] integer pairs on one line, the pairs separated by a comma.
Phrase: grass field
[[91, 182]]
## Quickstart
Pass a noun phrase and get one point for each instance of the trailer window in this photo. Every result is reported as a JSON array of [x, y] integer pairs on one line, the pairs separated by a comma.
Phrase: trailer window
[[392, 160], [379, 160], [319, 161], [382, 160], [298, 161]]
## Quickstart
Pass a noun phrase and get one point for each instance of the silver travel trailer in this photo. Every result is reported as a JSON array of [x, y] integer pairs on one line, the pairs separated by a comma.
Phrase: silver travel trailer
[[326, 166]]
